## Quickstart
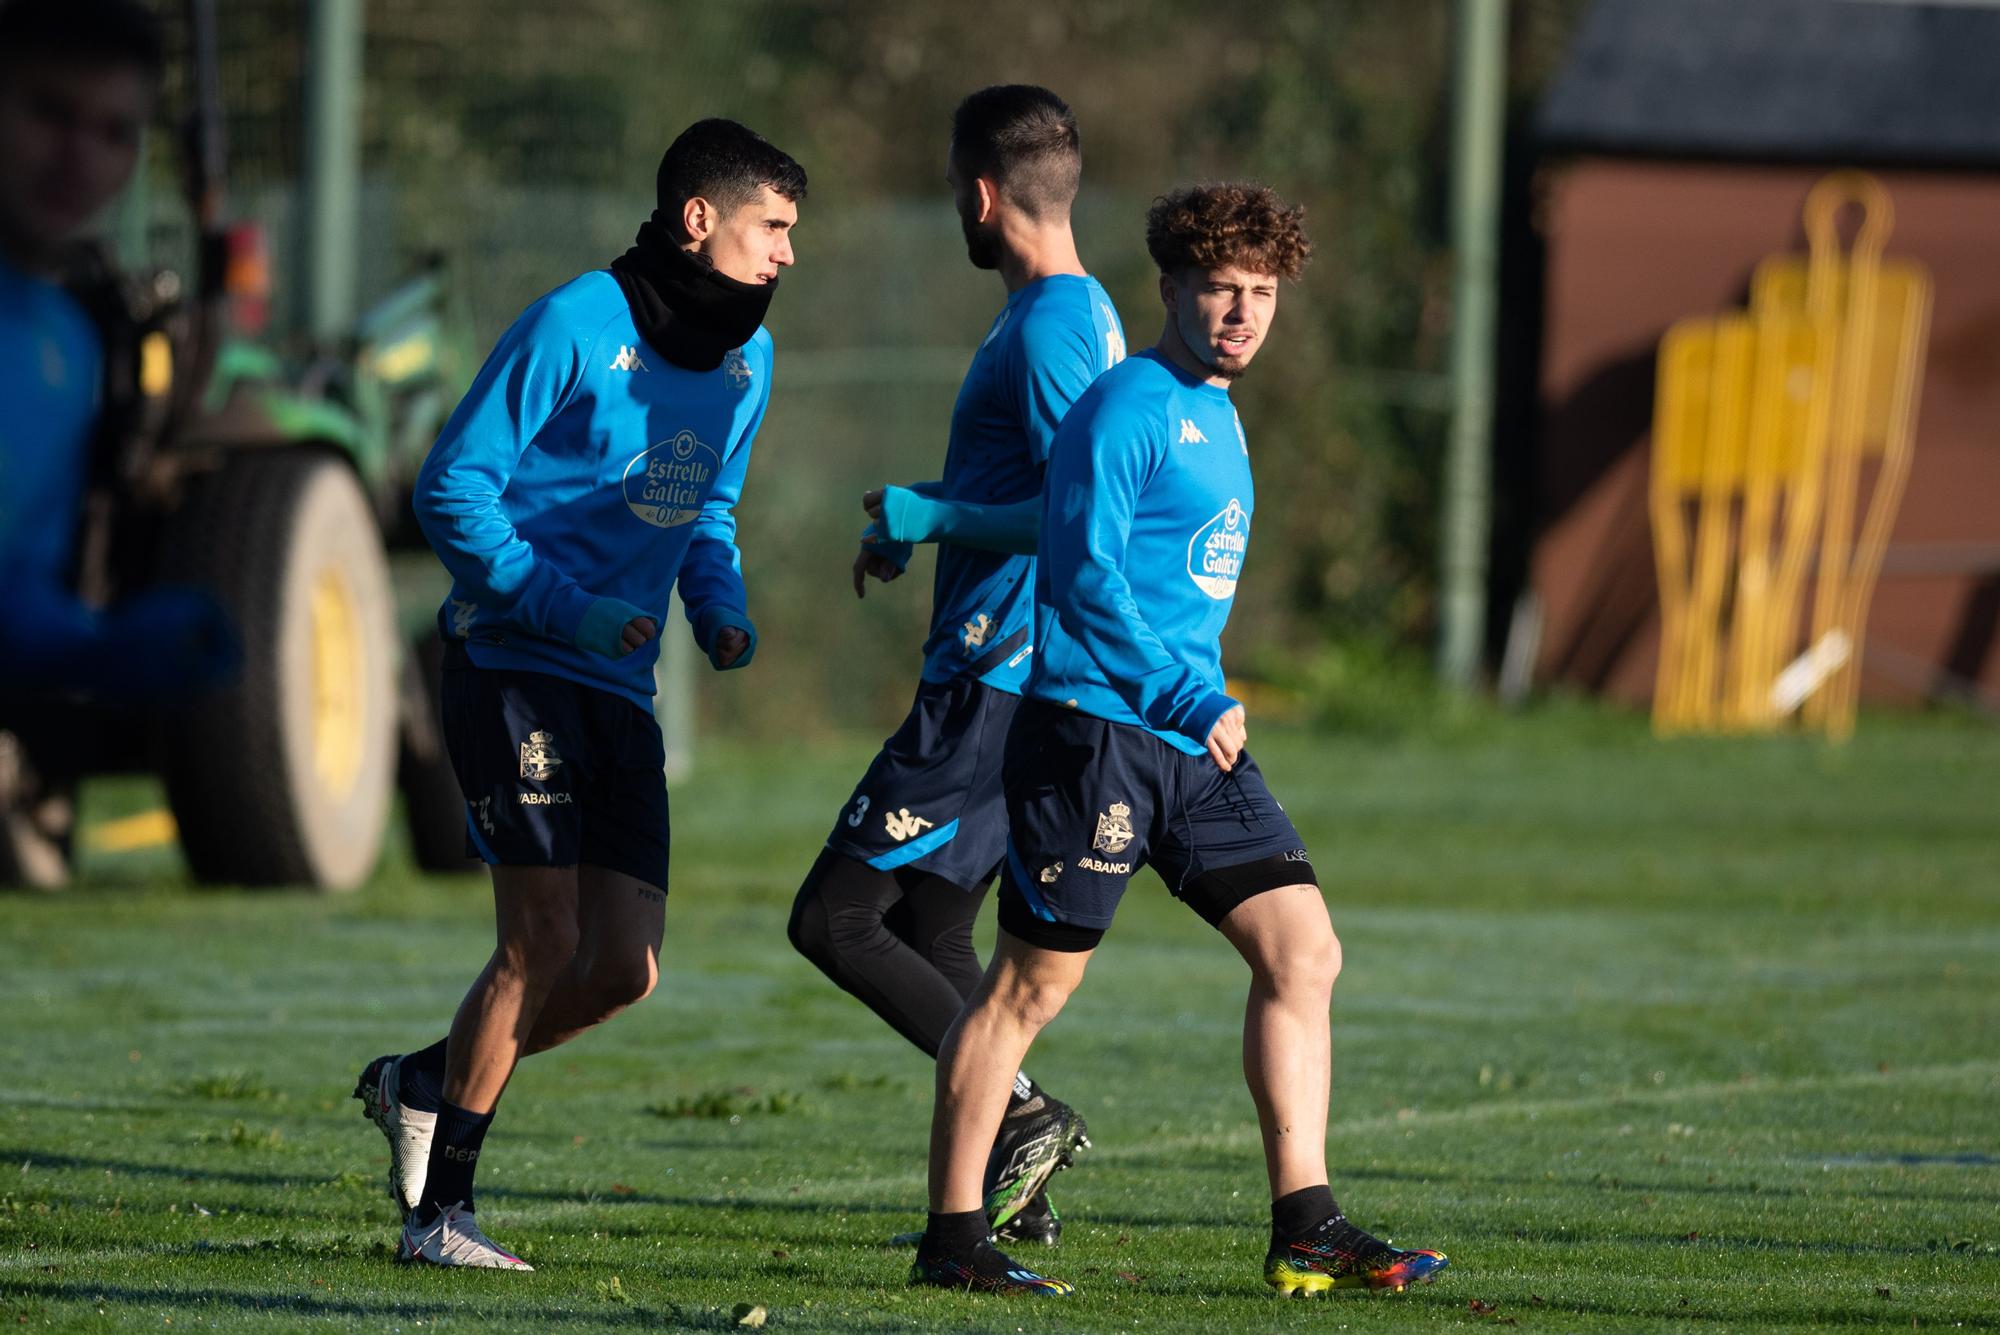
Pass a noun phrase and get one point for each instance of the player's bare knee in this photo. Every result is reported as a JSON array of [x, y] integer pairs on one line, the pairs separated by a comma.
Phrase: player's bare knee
[[1033, 1002], [625, 979], [1302, 969]]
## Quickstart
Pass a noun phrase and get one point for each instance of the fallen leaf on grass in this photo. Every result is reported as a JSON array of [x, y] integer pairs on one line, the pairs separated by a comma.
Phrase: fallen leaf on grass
[[1129, 1277], [749, 1314], [780, 1253], [620, 1189], [1482, 1309]]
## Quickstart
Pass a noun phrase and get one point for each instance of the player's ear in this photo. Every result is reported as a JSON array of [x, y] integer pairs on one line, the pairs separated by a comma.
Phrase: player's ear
[[1170, 294], [697, 218], [989, 198]]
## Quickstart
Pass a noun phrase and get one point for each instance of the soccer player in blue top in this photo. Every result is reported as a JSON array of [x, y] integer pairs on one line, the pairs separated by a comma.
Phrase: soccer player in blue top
[[78, 80], [887, 910], [1129, 750], [594, 462]]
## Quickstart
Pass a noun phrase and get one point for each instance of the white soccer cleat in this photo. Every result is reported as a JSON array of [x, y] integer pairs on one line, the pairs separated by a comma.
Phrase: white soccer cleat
[[408, 1131], [454, 1239]]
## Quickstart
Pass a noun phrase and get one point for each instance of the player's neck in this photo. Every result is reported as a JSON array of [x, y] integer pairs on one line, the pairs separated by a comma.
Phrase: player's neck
[[1037, 253], [1175, 349]]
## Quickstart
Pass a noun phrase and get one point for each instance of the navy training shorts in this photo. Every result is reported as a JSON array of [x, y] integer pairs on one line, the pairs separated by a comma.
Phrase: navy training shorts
[[931, 799], [1089, 802], [555, 773]]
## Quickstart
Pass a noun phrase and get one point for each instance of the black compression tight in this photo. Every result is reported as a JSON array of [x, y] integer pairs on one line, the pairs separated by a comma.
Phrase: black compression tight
[[900, 941]]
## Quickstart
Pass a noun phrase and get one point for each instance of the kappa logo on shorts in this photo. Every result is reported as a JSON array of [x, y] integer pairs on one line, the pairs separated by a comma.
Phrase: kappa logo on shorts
[[462, 614], [1114, 829], [1052, 873], [538, 756], [901, 824], [1296, 855], [482, 811]]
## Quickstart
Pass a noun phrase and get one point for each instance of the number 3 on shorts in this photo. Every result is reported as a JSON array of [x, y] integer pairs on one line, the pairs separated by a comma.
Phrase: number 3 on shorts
[[860, 812]]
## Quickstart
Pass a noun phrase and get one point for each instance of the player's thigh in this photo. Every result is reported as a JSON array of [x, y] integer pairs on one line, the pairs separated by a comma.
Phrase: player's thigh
[[1285, 935], [535, 912], [622, 920]]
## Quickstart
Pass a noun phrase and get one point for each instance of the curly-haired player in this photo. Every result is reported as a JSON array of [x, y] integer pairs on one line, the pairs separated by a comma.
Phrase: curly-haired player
[[1127, 750]]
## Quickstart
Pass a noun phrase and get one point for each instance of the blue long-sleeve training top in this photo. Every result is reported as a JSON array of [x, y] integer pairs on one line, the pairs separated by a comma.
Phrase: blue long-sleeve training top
[[582, 465], [1145, 523], [49, 386], [1052, 339]]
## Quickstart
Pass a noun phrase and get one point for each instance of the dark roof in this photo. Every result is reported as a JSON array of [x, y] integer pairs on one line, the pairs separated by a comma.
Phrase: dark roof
[[1863, 81]]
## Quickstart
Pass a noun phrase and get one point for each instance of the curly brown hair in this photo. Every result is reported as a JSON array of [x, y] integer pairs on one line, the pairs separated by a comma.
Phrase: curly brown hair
[[1236, 224]]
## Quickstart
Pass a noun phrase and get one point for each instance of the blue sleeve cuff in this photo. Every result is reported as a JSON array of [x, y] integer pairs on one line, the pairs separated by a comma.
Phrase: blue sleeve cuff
[[712, 622], [601, 629], [908, 516], [897, 554], [1202, 721]]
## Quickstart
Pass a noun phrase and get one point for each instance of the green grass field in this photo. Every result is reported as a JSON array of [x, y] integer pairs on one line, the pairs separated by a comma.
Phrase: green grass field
[[1698, 1036]]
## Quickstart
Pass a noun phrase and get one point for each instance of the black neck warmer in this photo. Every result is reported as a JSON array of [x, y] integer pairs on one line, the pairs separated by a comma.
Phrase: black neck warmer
[[691, 314]]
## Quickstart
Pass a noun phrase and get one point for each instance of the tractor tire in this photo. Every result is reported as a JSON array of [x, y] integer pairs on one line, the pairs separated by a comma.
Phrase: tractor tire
[[285, 777], [432, 804]]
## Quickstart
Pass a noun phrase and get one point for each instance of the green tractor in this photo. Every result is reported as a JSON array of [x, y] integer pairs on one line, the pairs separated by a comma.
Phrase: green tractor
[[281, 485]]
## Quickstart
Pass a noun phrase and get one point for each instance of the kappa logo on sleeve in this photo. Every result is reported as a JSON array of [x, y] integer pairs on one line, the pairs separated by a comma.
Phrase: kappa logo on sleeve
[[627, 360], [1190, 433]]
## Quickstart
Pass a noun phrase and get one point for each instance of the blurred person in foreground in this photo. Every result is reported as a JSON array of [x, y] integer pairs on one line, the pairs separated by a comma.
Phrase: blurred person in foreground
[[595, 462], [78, 81], [887, 910], [1127, 750]]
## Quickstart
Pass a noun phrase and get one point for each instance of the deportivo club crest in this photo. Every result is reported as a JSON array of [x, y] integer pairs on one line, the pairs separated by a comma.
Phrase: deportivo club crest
[[538, 756], [736, 368], [1114, 830]]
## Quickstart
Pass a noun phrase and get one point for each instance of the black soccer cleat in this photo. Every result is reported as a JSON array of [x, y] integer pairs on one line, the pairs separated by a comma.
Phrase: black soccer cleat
[[1040, 1138], [984, 1269], [1035, 1222]]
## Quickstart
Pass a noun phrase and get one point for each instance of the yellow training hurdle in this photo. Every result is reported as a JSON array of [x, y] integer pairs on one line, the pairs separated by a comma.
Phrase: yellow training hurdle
[[1763, 424]]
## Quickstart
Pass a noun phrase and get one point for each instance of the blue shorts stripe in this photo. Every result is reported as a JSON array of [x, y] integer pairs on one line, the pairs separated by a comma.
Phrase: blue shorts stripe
[[1026, 885], [486, 852], [915, 849]]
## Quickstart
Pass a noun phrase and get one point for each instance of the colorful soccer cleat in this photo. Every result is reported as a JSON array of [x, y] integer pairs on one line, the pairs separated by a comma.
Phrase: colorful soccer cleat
[[453, 1239], [1037, 1221], [986, 1269], [1040, 1139], [408, 1131], [1339, 1256]]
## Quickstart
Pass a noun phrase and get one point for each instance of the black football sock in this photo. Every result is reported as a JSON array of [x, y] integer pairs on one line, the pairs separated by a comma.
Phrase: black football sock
[[955, 1234], [420, 1079], [1298, 1213], [1311, 1213], [454, 1158]]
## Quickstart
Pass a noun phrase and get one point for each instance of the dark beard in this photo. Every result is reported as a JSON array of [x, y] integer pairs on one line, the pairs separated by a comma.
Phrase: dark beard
[[981, 249]]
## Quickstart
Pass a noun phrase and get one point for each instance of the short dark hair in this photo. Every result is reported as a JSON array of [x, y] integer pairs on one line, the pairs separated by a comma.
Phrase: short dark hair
[[726, 164], [1235, 224], [99, 32], [1025, 139]]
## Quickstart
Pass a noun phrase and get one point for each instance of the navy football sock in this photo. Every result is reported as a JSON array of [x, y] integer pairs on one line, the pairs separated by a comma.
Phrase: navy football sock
[[454, 1158], [420, 1079]]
